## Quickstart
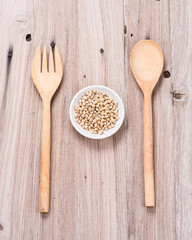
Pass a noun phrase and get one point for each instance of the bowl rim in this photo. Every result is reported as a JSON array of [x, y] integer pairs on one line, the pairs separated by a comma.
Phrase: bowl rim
[[96, 136]]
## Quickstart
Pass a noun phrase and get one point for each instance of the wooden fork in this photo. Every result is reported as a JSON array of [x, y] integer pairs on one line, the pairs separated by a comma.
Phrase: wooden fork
[[46, 83]]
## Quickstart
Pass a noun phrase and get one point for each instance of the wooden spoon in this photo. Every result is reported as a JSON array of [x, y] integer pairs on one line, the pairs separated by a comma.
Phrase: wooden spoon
[[147, 64]]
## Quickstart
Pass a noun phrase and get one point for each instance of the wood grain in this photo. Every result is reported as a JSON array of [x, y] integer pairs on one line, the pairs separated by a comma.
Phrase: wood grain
[[96, 186]]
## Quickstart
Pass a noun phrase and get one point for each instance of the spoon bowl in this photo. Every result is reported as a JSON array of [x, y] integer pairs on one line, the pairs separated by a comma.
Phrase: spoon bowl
[[147, 64]]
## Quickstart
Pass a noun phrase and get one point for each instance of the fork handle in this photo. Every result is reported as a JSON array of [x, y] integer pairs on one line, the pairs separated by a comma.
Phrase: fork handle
[[45, 157]]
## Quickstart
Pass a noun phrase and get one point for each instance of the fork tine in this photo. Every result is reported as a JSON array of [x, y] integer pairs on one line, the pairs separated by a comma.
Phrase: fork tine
[[44, 62], [58, 62], [36, 64], [51, 64]]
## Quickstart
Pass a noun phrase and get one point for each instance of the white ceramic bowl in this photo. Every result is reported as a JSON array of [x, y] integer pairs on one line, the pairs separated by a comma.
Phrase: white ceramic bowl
[[111, 94]]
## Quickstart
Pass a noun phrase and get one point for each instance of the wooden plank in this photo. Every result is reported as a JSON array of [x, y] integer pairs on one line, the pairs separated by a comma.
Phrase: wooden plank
[[181, 41], [100, 26], [150, 19], [83, 175]]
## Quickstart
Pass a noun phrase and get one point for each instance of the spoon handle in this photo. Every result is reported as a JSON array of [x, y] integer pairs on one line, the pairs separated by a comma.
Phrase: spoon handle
[[148, 152], [45, 158]]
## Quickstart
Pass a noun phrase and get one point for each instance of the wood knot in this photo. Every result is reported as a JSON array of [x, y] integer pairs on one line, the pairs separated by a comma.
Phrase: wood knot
[[177, 95], [10, 53], [52, 44], [166, 74], [21, 22], [180, 96], [1, 227], [28, 37], [125, 29]]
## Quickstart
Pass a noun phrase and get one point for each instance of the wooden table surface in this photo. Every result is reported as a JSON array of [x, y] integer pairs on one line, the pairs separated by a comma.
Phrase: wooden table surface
[[96, 186]]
